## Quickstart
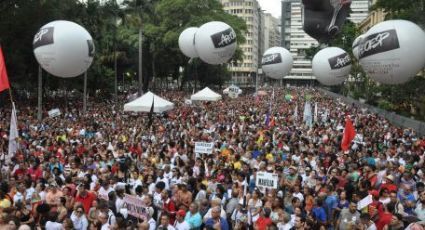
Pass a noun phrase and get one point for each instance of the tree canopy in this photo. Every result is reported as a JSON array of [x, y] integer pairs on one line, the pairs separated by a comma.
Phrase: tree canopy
[[115, 30]]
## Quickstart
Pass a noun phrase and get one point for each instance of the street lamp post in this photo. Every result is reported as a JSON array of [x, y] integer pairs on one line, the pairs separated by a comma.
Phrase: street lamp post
[[40, 94]]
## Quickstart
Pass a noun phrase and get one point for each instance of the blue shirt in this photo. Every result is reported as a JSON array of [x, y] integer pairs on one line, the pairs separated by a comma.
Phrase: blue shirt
[[194, 221], [331, 202], [319, 214], [223, 223]]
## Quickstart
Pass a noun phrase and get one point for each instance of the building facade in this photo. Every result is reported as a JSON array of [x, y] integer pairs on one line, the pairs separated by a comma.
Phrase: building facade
[[359, 10], [243, 72], [271, 31], [374, 17], [296, 40]]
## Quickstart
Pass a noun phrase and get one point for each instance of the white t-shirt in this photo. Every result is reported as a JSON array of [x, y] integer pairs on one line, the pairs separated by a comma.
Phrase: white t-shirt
[[181, 226], [103, 193], [105, 227], [53, 226]]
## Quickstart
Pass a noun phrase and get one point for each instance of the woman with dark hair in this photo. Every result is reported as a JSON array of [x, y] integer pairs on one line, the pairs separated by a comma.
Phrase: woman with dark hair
[[35, 171], [23, 214], [254, 205], [79, 219], [61, 209]]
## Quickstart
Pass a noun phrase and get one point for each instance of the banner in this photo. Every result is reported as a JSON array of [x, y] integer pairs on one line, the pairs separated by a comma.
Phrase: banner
[[135, 207], [13, 135], [267, 180], [204, 147], [308, 118], [54, 113], [364, 202], [4, 79]]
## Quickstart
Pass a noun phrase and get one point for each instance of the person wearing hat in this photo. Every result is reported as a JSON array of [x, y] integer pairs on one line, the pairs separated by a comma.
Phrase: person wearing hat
[[389, 184], [180, 223]]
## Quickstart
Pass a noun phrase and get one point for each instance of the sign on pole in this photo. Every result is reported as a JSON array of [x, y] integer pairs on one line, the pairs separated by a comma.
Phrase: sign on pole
[[267, 180], [54, 113], [204, 147], [135, 207]]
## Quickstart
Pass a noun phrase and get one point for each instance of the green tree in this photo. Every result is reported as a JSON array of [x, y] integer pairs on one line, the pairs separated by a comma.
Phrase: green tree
[[412, 10]]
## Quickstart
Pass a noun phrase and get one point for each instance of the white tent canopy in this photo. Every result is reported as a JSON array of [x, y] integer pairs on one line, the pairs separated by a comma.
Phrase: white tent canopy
[[205, 95], [144, 104]]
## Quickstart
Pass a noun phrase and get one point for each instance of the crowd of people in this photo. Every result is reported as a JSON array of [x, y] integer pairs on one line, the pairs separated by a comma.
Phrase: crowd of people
[[75, 171]]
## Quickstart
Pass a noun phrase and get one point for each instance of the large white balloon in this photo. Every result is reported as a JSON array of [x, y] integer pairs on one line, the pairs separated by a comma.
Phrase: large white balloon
[[276, 62], [187, 42], [63, 48], [215, 42], [331, 66], [356, 45], [393, 52]]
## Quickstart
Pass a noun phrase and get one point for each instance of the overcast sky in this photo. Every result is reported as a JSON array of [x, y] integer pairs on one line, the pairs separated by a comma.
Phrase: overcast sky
[[271, 6]]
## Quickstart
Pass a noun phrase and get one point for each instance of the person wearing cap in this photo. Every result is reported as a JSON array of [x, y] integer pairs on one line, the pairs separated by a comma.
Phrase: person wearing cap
[[180, 223], [389, 184]]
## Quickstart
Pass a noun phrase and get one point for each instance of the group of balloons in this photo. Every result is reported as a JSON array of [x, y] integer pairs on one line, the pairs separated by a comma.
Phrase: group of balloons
[[214, 42], [63, 48], [391, 52]]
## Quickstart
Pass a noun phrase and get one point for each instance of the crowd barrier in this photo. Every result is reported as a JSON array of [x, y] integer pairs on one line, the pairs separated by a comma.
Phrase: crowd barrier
[[394, 118]]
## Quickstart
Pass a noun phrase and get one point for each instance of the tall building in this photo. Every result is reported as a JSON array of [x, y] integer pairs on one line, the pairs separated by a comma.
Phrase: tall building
[[374, 17], [249, 10], [271, 31], [296, 40], [359, 10]]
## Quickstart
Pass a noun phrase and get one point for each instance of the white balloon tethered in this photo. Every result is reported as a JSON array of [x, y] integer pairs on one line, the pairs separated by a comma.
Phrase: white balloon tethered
[[277, 62], [331, 66], [63, 48]]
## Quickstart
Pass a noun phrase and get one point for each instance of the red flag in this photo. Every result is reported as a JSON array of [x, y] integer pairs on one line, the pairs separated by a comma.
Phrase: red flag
[[4, 80], [349, 134]]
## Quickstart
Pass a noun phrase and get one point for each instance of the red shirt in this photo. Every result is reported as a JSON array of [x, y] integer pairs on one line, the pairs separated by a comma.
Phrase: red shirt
[[20, 172], [262, 223], [86, 201], [35, 173], [389, 187], [169, 206], [384, 219]]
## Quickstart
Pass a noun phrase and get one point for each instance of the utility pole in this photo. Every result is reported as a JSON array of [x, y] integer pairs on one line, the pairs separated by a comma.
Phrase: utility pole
[[140, 62], [40, 94]]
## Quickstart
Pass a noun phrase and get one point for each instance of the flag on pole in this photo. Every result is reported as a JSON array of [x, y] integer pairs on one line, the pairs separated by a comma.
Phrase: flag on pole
[[349, 134], [296, 113], [13, 135], [308, 118], [269, 112], [315, 112], [4, 80], [150, 122]]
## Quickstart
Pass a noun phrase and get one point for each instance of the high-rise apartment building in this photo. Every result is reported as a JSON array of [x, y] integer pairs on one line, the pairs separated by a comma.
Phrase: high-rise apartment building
[[296, 40], [249, 10], [271, 31], [359, 10]]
